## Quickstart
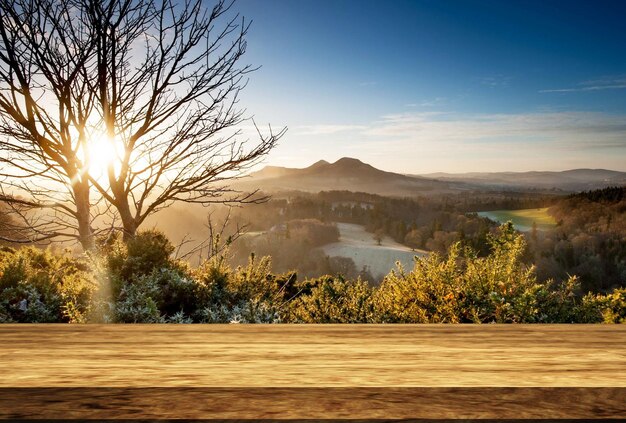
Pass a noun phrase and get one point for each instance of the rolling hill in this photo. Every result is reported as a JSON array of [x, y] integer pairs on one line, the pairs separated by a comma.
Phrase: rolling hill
[[569, 180], [345, 174], [351, 174]]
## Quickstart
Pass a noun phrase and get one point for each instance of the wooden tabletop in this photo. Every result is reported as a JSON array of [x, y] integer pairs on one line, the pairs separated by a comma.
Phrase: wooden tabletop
[[312, 371]]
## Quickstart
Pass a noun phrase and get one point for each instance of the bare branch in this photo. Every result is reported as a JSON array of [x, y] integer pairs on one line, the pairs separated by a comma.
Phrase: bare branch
[[158, 80]]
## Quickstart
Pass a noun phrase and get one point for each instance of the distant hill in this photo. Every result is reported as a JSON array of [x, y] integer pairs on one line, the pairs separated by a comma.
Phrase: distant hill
[[345, 174], [569, 180], [351, 174]]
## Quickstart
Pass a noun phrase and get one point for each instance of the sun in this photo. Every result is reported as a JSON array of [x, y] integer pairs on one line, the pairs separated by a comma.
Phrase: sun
[[102, 152]]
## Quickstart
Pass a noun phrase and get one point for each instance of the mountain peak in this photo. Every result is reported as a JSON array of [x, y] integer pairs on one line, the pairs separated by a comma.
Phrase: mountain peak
[[319, 163], [345, 174], [348, 161]]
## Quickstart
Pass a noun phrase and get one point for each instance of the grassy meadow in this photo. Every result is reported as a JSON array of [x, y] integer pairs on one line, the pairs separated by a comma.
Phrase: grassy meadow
[[523, 219]]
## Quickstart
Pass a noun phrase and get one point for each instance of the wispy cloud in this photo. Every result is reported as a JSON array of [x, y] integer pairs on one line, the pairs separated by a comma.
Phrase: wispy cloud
[[593, 88], [592, 85], [495, 81], [573, 129], [430, 141], [323, 129], [435, 102]]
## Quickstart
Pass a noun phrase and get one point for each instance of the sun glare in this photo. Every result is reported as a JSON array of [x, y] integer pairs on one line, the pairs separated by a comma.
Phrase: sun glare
[[102, 153]]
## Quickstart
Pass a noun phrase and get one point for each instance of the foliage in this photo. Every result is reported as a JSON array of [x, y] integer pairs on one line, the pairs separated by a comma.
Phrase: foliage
[[146, 285], [590, 240], [136, 302], [609, 308], [332, 300], [604, 195], [38, 286], [138, 281], [248, 294], [464, 287], [140, 255]]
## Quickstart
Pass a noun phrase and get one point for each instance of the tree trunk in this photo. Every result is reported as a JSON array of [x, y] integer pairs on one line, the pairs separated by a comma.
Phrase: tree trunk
[[130, 228], [81, 194], [128, 220]]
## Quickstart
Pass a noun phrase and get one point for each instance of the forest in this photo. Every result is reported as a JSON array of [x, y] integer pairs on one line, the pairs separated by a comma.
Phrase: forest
[[588, 240]]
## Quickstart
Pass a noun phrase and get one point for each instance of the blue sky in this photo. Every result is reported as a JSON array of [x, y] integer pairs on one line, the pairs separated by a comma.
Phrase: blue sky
[[441, 85]]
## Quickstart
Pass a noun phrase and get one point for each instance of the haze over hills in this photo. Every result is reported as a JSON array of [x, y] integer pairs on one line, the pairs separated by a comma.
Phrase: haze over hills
[[353, 175], [345, 174], [568, 180]]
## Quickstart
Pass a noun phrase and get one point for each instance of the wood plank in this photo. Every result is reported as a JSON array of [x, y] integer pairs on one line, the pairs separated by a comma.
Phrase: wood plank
[[313, 371]]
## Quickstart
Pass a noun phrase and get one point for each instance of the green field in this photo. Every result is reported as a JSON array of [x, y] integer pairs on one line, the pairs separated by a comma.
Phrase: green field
[[523, 219]]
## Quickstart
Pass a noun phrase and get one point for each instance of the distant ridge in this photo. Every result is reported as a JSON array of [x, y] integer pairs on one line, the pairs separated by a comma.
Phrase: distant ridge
[[568, 180], [347, 174], [352, 174]]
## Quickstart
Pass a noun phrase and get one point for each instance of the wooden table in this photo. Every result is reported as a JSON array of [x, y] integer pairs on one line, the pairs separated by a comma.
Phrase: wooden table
[[312, 371]]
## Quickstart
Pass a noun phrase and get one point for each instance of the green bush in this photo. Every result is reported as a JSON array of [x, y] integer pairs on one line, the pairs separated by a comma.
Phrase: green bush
[[163, 295], [144, 283], [330, 300], [38, 286], [136, 303], [463, 287], [248, 294], [610, 308], [146, 251]]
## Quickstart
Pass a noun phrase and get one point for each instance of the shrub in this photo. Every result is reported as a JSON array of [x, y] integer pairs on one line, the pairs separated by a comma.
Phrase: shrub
[[139, 282], [136, 304], [146, 251], [249, 294], [38, 286], [163, 295], [176, 291], [331, 300], [609, 308], [426, 294], [143, 283], [149, 250], [463, 287]]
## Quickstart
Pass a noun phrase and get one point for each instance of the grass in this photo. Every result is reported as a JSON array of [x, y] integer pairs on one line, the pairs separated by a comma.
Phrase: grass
[[523, 219]]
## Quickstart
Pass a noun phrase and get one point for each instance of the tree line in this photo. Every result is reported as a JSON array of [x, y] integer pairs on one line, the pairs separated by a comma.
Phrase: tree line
[[588, 241]]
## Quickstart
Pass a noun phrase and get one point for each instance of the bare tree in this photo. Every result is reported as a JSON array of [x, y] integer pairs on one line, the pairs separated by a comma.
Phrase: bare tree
[[156, 82], [168, 83], [45, 105]]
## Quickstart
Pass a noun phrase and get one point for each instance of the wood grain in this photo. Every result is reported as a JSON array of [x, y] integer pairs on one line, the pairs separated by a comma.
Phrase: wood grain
[[312, 371]]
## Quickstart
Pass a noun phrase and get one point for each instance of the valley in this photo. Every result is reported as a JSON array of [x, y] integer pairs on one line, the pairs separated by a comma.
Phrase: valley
[[378, 258]]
